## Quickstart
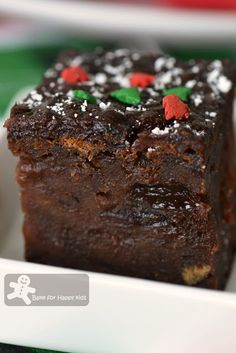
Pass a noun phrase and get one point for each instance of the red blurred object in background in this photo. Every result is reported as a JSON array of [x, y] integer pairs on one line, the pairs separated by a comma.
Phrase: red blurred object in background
[[198, 4]]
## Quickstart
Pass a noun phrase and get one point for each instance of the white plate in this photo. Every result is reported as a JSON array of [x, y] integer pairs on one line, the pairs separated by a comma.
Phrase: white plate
[[109, 19], [124, 315]]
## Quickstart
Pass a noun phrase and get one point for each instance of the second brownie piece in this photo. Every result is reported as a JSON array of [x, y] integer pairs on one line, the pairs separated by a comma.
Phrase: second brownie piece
[[127, 166]]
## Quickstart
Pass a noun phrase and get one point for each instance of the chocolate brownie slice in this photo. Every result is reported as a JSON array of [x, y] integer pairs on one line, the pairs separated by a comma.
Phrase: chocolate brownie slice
[[127, 166]]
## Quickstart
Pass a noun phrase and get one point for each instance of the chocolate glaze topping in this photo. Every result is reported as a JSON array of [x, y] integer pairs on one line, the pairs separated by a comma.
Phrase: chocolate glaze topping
[[50, 111]]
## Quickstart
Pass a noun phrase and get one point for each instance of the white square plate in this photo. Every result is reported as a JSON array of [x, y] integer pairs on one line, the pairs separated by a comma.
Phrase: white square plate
[[124, 315]]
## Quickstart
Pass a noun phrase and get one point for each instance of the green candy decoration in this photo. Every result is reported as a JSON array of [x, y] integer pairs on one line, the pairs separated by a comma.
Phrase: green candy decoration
[[83, 95], [129, 95], [182, 92]]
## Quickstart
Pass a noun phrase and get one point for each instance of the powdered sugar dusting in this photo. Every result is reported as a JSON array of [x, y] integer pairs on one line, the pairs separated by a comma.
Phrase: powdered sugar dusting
[[197, 99], [164, 62], [218, 82], [211, 114], [34, 99], [224, 84], [104, 106], [190, 83], [166, 130], [100, 78], [170, 77]]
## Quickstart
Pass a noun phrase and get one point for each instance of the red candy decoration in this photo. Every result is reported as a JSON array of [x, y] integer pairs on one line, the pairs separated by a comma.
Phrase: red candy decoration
[[74, 74], [175, 108], [140, 79]]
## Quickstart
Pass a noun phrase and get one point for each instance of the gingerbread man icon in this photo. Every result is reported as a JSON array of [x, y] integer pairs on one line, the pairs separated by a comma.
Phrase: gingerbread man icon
[[21, 289]]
